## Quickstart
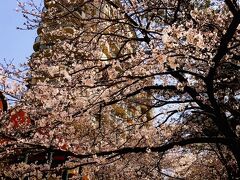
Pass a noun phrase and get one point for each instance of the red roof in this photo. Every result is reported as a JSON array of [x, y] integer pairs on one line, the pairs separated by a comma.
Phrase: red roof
[[19, 118]]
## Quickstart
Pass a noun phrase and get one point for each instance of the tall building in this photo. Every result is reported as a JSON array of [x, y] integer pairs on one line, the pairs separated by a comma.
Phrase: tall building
[[62, 21], [60, 24], [60, 47]]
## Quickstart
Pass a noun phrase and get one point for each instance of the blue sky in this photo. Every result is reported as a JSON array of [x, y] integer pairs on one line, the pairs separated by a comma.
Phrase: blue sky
[[14, 44]]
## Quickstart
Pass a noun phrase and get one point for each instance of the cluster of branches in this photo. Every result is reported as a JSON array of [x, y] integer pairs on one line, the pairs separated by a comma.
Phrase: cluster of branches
[[137, 86]]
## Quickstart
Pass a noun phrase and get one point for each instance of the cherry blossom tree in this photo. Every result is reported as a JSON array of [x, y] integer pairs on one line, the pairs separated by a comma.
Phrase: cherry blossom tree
[[128, 90]]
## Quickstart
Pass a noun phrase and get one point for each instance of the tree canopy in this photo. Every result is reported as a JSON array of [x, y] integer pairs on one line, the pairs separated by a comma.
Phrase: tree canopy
[[132, 89]]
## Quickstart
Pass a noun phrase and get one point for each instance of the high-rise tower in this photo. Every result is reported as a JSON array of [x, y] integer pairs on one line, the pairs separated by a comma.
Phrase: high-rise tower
[[62, 23], [69, 72]]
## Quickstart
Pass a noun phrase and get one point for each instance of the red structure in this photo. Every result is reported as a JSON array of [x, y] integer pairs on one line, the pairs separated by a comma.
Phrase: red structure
[[3, 103], [19, 118]]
